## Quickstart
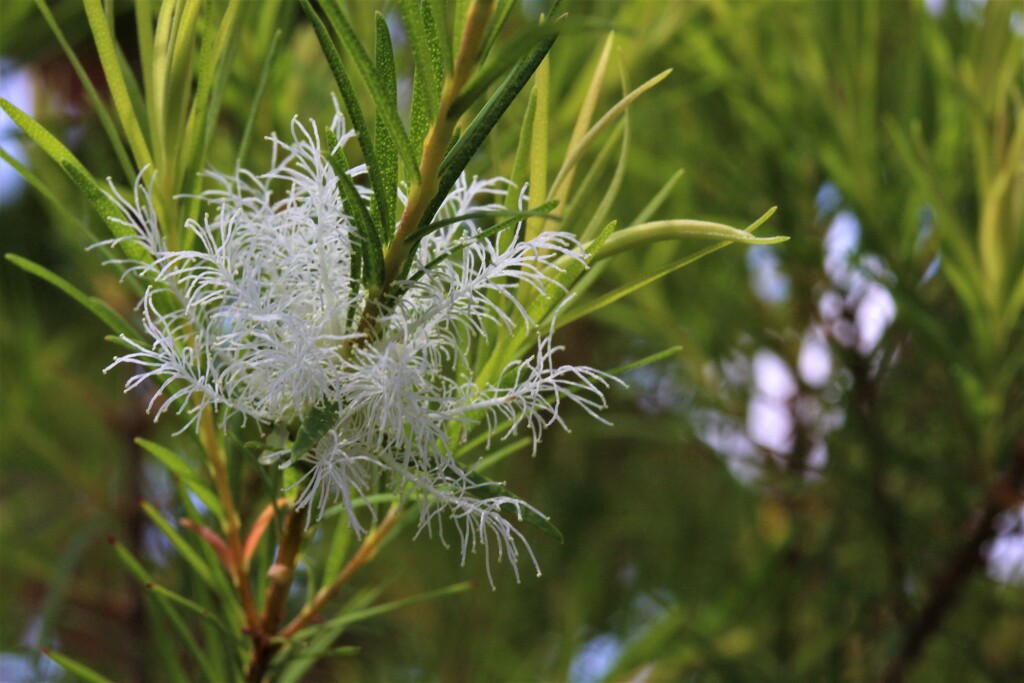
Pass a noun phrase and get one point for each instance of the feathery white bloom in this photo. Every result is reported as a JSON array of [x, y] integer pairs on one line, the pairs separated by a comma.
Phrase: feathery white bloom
[[263, 318]]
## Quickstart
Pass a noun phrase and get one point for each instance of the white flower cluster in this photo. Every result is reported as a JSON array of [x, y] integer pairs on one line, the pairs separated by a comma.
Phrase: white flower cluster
[[264, 320]]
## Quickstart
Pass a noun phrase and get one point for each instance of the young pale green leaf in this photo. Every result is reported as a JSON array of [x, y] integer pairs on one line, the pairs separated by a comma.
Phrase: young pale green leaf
[[101, 309], [373, 255], [106, 47], [338, 548], [521, 164], [497, 456], [658, 231], [580, 311], [516, 218], [213, 67], [566, 271], [77, 669], [387, 154], [586, 113], [571, 270], [582, 197], [539, 147], [386, 108], [77, 172], [314, 427], [611, 191], [576, 153]]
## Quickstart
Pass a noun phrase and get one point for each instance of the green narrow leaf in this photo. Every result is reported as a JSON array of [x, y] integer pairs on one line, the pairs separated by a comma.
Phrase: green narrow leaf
[[377, 610], [521, 164], [575, 154], [212, 67], [483, 488], [373, 255], [611, 191], [577, 312], [539, 147], [348, 94], [314, 427], [95, 100], [295, 660], [107, 50], [181, 469], [257, 98], [80, 670], [187, 552], [458, 158], [420, 118], [101, 309], [658, 199], [509, 54], [501, 14], [432, 27], [190, 605], [386, 107], [412, 19], [387, 154], [657, 231], [136, 569], [646, 360], [78, 174], [439, 15], [43, 189], [586, 113]]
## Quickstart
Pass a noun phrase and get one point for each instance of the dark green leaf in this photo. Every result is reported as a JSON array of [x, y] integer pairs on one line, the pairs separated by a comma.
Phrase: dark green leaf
[[355, 112], [483, 488], [387, 155], [314, 427], [457, 160], [373, 255], [386, 107]]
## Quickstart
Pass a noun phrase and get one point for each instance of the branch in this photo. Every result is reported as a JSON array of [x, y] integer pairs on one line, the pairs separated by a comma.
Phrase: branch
[[947, 587]]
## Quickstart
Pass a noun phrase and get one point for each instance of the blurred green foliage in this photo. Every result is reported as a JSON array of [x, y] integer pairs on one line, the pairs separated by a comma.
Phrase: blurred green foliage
[[699, 547]]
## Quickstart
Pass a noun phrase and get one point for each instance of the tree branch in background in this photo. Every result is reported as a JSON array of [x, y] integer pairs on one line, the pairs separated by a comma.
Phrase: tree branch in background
[[1003, 495]]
